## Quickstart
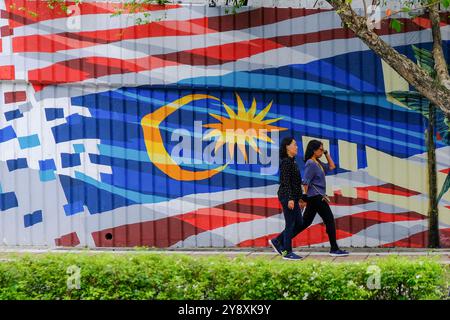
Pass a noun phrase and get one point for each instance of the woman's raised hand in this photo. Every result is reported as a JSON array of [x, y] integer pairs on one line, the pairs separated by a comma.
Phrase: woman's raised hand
[[302, 204]]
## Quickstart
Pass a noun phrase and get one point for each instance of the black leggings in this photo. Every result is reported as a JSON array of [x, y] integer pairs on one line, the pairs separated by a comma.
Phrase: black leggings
[[315, 205], [293, 219]]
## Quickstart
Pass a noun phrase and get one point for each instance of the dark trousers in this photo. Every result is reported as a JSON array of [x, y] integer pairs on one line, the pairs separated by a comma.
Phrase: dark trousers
[[293, 220], [316, 205]]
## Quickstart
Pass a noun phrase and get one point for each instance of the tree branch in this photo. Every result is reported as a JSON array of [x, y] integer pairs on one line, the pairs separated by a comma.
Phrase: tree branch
[[440, 64], [365, 8], [425, 6], [434, 91]]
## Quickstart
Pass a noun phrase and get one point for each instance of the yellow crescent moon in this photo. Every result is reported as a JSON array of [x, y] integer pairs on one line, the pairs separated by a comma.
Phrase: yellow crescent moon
[[156, 150]]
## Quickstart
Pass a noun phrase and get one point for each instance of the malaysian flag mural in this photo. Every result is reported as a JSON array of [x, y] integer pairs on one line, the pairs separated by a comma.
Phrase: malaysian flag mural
[[118, 133]]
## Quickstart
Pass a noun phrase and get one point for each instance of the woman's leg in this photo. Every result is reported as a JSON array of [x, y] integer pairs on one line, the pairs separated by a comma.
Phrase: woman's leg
[[327, 216], [308, 216], [298, 222], [278, 240], [290, 217]]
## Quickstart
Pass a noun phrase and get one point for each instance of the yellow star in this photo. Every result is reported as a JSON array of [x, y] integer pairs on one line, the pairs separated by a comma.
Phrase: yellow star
[[241, 128]]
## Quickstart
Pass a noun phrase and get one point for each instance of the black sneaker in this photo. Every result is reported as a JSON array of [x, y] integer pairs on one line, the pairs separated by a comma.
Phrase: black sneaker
[[339, 253], [275, 246], [292, 256]]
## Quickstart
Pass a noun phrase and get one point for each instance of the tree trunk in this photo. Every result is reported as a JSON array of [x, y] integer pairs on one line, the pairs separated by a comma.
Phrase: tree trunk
[[433, 213], [440, 65]]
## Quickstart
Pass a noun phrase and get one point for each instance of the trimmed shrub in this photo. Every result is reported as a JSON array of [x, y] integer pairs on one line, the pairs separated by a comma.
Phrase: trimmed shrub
[[178, 276]]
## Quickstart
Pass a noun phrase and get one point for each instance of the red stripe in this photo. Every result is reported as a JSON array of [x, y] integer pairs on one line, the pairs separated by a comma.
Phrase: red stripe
[[91, 67], [272, 203], [244, 210], [168, 231], [358, 222], [420, 240], [426, 22], [446, 171], [346, 226], [72, 40], [313, 235], [68, 240], [77, 40], [236, 211], [213, 218], [339, 200], [24, 12], [250, 209], [221, 53], [390, 217], [85, 68], [7, 72], [160, 233], [15, 96], [389, 189], [6, 31], [317, 234]]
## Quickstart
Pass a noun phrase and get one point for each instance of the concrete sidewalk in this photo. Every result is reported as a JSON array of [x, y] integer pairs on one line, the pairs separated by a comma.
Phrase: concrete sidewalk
[[321, 254]]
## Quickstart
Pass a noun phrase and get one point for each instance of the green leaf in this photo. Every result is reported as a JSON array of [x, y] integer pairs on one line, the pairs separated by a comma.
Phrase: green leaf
[[413, 100], [425, 60], [443, 126], [445, 3], [151, 276], [396, 25], [445, 187]]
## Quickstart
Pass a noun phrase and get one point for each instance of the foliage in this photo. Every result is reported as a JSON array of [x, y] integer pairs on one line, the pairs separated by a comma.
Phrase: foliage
[[143, 275], [415, 101]]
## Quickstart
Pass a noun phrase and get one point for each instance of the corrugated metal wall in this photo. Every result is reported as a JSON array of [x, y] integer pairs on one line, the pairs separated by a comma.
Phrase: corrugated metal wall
[[110, 127]]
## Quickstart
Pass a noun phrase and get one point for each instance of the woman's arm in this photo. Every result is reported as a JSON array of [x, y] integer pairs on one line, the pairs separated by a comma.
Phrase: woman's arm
[[307, 176], [330, 161], [285, 181]]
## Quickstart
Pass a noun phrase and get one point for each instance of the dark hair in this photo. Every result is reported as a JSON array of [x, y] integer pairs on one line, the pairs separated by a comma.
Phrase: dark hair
[[283, 151], [313, 145]]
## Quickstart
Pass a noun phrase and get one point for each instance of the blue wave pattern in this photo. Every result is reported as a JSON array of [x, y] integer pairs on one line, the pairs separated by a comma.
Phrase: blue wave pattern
[[332, 107]]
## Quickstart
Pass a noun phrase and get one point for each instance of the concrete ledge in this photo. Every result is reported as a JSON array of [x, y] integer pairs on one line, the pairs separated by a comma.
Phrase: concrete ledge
[[319, 254]]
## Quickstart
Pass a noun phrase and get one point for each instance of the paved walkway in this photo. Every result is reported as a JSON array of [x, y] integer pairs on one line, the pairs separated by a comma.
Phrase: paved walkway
[[357, 254]]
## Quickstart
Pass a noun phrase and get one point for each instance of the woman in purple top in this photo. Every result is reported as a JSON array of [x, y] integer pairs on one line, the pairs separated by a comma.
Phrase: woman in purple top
[[314, 184]]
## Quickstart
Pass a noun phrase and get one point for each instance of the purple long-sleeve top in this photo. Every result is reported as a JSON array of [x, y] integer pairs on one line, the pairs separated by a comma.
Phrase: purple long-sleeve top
[[314, 175]]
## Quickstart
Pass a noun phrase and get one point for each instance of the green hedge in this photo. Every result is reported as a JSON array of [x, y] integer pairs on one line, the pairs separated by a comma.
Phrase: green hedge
[[176, 276]]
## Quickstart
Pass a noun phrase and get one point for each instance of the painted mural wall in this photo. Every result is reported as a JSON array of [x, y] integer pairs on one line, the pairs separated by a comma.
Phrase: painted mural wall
[[166, 134]]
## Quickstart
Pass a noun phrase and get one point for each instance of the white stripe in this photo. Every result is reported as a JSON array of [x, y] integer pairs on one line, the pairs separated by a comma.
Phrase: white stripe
[[244, 231], [163, 45], [106, 21], [381, 234], [150, 212], [302, 54], [312, 51], [84, 224]]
